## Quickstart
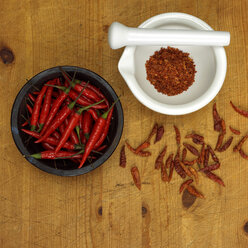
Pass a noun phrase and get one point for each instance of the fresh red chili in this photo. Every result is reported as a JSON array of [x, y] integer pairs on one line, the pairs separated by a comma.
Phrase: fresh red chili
[[45, 107], [47, 146], [97, 91], [52, 141], [30, 110], [93, 113], [87, 124], [84, 101], [31, 97], [36, 108], [56, 135], [52, 155], [70, 127], [55, 108], [95, 134], [105, 130]]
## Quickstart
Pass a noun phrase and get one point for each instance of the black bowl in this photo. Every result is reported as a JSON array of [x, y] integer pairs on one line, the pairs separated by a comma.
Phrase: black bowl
[[64, 167]]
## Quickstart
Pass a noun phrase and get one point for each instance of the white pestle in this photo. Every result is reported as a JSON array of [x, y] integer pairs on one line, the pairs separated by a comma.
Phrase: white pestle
[[120, 35]]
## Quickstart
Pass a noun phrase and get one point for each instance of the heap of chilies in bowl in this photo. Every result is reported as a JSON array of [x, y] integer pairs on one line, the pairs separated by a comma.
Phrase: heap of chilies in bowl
[[70, 118]]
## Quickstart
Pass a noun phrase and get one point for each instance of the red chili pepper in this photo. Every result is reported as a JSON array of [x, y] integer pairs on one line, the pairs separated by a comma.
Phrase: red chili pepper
[[74, 138], [52, 155], [136, 177], [36, 108], [52, 141], [234, 131], [238, 110], [55, 108], [30, 110], [123, 160], [84, 101], [226, 145], [192, 149], [159, 160], [178, 135], [159, 134], [31, 97], [93, 113], [56, 135], [217, 119], [36, 92], [141, 153], [101, 148], [25, 123], [185, 184], [241, 142], [70, 127], [193, 191], [242, 154], [87, 124], [97, 91], [46, 107], [105, 130], [95, 134], [215, 178], [47, 146], [62, 128]]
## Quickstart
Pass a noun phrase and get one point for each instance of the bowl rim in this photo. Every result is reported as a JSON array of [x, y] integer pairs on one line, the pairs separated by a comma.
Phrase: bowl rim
[[180, 109], [38, 163]]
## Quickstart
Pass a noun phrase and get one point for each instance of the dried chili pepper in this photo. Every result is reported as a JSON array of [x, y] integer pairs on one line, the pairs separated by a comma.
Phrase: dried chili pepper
[[180, 171], [123, 160], [215, 178], [223, 126], [178, 135], [192, 162], [169, 160], [206, 157], [142, 146], [238, 110], [241, 142], [184, 185], [164, 175], [184, 154], [217, 119], [185, 169], [211, 167], [172, 165], [226, 145], [242, 153], [159, 134], [141, 153], [153, 132], [234, 131], [196, 138], [136, 177], [202, 154], [212, 153], [193, 191], [192, 149], [159, 160], [194, 173], [219, 141]]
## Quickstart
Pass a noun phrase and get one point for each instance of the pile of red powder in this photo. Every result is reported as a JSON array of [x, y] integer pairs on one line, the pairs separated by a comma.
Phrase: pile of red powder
[[170, 71]]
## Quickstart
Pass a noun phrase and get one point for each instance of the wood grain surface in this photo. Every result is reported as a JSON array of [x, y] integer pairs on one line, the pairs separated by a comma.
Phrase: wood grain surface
[[104, 208]]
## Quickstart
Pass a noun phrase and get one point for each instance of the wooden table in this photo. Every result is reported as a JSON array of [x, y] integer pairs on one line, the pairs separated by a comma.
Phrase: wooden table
[[104, 208]]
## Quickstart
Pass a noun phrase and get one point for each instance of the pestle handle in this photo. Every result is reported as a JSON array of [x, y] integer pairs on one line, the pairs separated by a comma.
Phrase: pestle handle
[[120, 35]]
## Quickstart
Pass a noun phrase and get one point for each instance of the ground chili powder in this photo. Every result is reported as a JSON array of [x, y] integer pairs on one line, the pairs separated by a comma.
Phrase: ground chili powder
[[170, 71]]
